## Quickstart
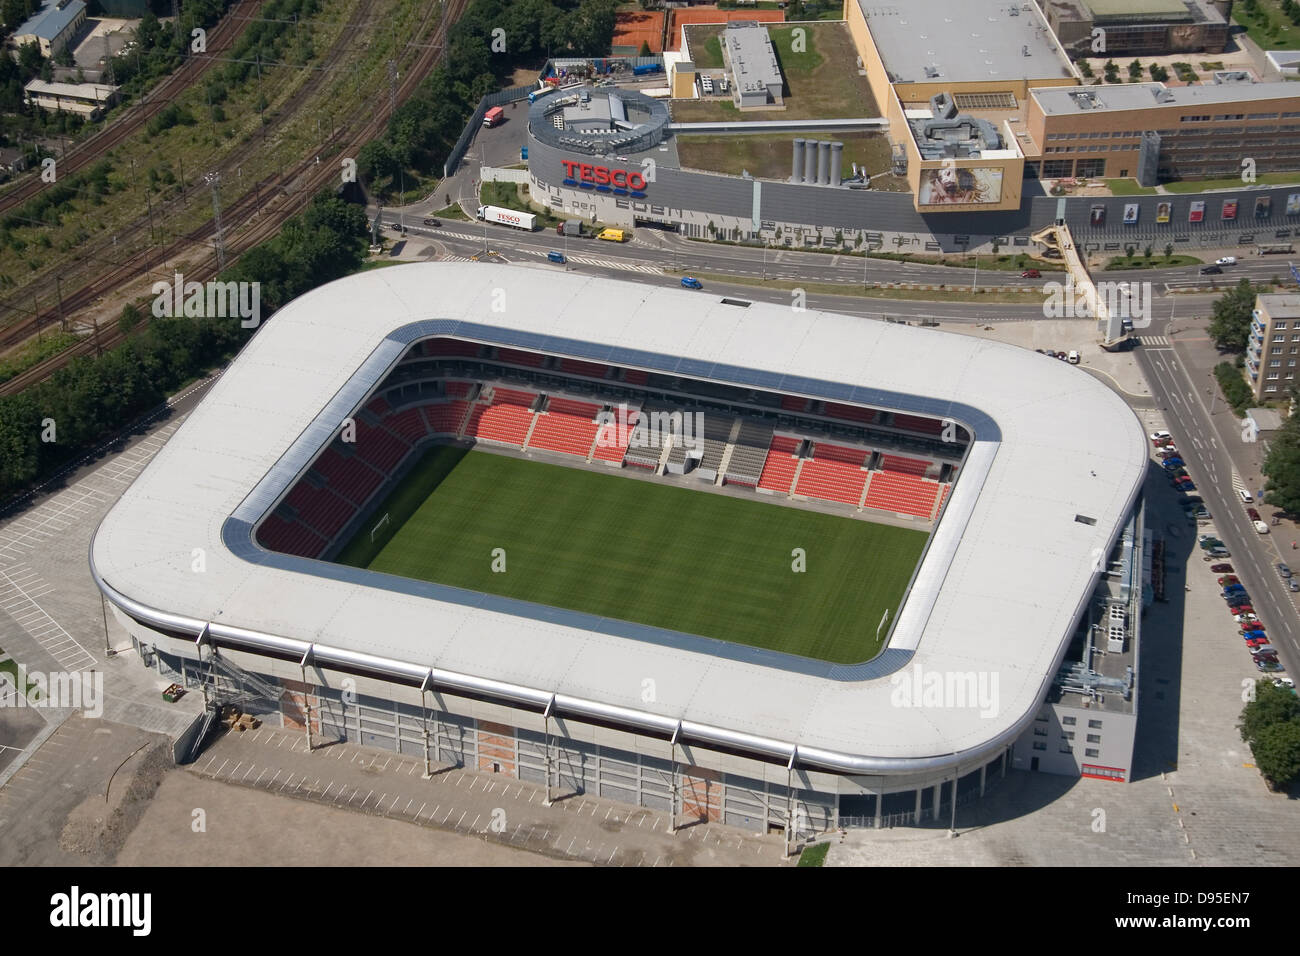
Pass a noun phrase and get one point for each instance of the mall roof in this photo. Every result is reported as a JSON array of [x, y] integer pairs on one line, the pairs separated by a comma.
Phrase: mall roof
[[963, 41], [1057, 100], [1056, 464]]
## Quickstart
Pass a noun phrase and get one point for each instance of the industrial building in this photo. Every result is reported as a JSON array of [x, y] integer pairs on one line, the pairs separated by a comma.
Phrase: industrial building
[[53, 26], [85, 99], [752, 737], [750, 59]]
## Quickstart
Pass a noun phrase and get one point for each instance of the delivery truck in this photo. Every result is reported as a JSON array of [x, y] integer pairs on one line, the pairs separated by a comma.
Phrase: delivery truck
[[537, 94], [494, 116], [507, 217], [572, 227]]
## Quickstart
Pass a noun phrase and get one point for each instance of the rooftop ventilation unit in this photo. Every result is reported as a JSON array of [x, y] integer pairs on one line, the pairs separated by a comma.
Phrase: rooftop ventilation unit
[[932, 72]]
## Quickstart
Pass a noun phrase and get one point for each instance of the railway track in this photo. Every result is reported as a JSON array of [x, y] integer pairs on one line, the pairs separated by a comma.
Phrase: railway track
[[89, 150], [146, 259], [307, 176]]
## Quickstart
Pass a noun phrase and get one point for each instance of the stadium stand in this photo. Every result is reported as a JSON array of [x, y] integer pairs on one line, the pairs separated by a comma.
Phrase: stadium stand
[[348, 475], [851, 413], [516, 357], [445, 418], [645, 445], [634, 376], [588, 369], [749, 453], [922, 426], [379, 447], [904, 466], [793, 403], [506, 420], [437, 347], [833, 473], [320, 509], [717, 432], [780, 465], [902, 494], [611, 445], [408, 425], [566, 426], [277, 534], [459, 389]]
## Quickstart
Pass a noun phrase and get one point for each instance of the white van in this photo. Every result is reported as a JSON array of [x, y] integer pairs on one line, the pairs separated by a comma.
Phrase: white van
[[1073, 357], [1245, 495]]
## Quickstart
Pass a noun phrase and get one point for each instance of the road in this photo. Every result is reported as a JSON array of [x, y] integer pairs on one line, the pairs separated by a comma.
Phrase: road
[[1210, 465]]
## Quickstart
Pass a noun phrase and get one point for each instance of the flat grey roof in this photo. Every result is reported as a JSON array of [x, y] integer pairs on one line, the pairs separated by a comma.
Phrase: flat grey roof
[[1142, 96], [1280, 305], [1008, 571], [51, 19], [924, 41], [752, 59]]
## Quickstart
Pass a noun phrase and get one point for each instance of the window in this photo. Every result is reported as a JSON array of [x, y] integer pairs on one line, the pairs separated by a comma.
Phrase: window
[[1039, 746], [1094, 738], [1068, 735], [1280, 327], [1040, 731], [1271, 388], [1066, 749], [1068, 721], [1273, 375], [1277, 350], [1295, 338], [1276, 363], [1091, 752]]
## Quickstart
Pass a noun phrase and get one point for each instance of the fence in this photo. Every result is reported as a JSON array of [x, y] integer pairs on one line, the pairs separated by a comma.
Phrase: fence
[[499, 98], [494, 174]]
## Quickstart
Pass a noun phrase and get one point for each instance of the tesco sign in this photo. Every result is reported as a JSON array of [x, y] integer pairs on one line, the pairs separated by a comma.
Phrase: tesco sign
[[603, 175]]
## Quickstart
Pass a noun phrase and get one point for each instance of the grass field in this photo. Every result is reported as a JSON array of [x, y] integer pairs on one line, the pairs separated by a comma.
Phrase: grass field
[[640, 551], [818, 84], [767, 155]]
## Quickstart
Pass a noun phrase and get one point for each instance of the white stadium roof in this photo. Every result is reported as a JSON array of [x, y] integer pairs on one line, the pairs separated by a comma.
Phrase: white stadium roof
[[1008, 571]]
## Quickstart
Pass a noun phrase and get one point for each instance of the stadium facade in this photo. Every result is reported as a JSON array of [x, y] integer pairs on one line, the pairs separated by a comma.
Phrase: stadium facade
[[1042, 517]]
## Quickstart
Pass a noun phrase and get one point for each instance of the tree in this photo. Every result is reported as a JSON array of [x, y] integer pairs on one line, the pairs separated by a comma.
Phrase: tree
[[29, 60], [1112, 71], [1135, 71], [1085, 69], [1230, 323], [1147, 253], [1282, 469], [1169, 249], [1277, 753], [645, 48]]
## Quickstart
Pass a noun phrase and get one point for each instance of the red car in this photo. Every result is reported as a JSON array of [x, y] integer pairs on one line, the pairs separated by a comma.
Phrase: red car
[[1248, 631], [1241, 609], [1221, 568], [1031, 274], [1256, 641], [1228, 579], [1254, 515]]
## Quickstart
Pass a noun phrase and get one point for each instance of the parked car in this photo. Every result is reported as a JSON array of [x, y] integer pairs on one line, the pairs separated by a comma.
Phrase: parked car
[[690, 283], [554, 256], [1252, 514], [1221, 567], [1166, 453], [1171, 463], [1185, 483], [1261, 527], [1031, 274], [1218, 553], [1157, 437], [1226, 261], [1204, 539], [1283, 571], [1073, 357], [1241, 607], [1268, 667], [1244, 495], [1252, 626], [1292, 585], [1229, 579], [1245, 618], [1254, 642]]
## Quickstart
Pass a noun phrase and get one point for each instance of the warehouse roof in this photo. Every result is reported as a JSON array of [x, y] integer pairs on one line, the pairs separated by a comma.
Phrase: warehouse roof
[[1056, 464], [1056, 100]]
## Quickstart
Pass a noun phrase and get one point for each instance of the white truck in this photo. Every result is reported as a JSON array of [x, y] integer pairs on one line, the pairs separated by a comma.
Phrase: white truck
[[507, 217]]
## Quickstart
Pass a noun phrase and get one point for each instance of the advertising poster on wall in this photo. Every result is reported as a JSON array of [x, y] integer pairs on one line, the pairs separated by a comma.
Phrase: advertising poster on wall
[[1293, 204], [1229, 209], [1130, 213], [1263, 207], [1162, 211], [951, 186], [1196, 213], [1098, 216]]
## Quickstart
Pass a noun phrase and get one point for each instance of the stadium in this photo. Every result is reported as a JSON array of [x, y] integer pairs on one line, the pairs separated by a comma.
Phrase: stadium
[[687, 552]]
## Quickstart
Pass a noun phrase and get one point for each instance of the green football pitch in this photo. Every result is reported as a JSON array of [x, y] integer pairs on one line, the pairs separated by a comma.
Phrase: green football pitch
[[656, 554]]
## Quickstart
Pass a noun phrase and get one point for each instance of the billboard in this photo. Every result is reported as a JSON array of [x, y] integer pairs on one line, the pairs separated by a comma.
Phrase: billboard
[[1163, 210], [952, 186], [1196, 212], [1229, 209], [1263, 207], [1293, 204], [1130, 213], [1098, 216]]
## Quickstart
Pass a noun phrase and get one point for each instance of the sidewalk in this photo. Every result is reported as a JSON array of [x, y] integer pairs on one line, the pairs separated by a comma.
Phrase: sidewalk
[[496, 808]]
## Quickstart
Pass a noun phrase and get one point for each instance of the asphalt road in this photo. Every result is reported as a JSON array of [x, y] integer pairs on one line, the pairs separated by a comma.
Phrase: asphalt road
[[1209, 464]]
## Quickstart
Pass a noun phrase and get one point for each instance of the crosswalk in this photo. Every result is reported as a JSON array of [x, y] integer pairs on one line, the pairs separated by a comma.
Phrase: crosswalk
[[1154, 341], [616, 264]]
